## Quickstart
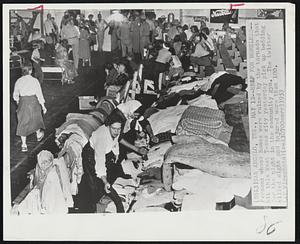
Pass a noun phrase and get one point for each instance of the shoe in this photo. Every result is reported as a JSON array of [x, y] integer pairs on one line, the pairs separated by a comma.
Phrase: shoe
[[172, 207], [39, 138], [24, 148], [93, 103]]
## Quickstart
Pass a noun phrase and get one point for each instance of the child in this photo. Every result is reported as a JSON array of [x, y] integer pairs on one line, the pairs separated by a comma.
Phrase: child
[[36, 61], [175, 65], [111, 75], [15, 59], [140, 133]]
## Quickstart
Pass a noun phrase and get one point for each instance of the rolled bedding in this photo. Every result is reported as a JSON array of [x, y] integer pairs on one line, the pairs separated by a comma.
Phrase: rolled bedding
[[215, 159]]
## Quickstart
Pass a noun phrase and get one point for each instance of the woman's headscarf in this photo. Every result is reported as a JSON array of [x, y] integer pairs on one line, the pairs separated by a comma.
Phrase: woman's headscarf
[[43, 166], [129, 107]]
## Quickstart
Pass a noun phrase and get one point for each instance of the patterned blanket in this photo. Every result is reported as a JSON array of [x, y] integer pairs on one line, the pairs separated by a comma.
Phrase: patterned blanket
[[204, 121]]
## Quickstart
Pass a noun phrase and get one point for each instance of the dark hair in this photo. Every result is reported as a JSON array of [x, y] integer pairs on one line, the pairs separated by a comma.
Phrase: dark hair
[[195, 28], [116, 116], [177, 38], [205, 30], [13, 49], [108, 66], [158, 44], [168, 44], [172, 50], [26, 69], [185, 27], [203, 36]]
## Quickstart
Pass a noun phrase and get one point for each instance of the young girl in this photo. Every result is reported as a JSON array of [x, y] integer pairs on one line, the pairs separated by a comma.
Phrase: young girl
[[29, 97]]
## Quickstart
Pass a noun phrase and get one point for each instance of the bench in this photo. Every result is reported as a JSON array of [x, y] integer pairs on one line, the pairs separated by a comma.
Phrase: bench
[[50, 70]]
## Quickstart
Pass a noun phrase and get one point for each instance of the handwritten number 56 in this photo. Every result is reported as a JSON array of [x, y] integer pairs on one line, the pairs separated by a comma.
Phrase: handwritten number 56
[[270, 228]]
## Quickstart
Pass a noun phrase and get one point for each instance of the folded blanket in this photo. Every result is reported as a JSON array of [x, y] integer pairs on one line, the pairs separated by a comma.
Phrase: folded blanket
[[166, 119], [203, 121], [88, 123]]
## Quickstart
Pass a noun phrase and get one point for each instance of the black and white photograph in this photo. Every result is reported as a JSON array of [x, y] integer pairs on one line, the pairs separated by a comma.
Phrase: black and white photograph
[[127, 114]]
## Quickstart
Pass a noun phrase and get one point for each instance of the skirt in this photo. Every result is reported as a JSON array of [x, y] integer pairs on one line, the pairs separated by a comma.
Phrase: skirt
[[29, 114]]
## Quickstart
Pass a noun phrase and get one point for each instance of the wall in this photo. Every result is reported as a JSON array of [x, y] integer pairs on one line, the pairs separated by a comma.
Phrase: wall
[[187, 15], [243, 15]]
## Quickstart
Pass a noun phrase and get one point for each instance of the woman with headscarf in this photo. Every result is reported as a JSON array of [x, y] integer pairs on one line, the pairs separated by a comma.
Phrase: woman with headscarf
[[29, 97], [50, 187]]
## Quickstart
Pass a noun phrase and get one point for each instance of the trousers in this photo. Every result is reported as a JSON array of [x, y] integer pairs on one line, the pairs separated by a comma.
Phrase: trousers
[[38, 73], [126, 48]]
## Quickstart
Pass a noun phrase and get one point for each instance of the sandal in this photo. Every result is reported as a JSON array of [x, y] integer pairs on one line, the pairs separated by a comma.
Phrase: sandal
[[41, 137], [24, 148]]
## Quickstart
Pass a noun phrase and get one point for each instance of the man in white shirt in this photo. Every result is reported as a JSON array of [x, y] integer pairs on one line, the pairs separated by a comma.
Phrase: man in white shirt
[[202, 56]]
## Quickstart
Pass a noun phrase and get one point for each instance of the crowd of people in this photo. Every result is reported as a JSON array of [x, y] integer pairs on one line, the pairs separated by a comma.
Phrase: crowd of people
[[129, 41]]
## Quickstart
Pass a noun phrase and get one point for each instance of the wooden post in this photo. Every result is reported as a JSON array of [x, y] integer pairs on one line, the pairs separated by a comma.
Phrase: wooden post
[[180, 16], [42, 21]]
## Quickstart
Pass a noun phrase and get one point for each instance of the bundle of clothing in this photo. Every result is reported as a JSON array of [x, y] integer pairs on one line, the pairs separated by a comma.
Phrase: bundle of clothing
[[71, 152], [204, 121], [50, 187]]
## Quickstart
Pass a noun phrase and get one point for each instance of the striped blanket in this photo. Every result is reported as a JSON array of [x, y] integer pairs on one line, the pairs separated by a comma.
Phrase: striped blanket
[[204, 121]]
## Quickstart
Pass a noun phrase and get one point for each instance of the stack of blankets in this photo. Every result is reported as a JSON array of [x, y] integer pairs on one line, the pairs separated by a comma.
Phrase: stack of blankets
[[204, 121]]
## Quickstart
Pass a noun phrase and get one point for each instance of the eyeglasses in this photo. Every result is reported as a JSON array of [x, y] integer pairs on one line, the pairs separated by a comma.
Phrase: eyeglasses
[[116, 129]]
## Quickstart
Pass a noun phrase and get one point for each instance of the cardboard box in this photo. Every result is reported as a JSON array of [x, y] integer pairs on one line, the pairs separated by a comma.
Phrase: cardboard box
[[84, 102]]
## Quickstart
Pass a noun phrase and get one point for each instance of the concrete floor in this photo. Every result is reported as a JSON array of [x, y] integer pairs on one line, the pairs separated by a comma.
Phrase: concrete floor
[[60, 100]]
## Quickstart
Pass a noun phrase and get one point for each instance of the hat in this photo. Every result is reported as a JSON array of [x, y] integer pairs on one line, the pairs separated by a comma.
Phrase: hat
[[143, 16], [163, 17]]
